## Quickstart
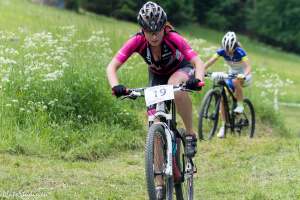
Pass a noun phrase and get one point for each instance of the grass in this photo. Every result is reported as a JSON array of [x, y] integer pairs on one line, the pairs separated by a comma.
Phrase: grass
[[235, 168], [61, 139], [55, 94], [291, 115]]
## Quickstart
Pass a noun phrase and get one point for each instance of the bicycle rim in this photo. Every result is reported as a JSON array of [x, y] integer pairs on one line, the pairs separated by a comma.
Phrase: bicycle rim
[[188, 186], [155, 163]]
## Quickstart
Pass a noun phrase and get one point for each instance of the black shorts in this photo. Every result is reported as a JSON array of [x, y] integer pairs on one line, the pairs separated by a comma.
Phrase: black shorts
[[184, 67]]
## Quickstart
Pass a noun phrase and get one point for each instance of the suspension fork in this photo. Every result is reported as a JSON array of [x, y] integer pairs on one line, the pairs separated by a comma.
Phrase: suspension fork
[[170, 149]]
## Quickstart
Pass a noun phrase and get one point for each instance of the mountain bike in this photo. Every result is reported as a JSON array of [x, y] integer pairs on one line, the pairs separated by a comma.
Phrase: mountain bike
[[165, 160], [242, 124]]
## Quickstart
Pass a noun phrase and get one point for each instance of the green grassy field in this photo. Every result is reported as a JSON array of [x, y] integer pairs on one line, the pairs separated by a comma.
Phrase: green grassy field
[[235, 168], [292, 115], [61, 138]]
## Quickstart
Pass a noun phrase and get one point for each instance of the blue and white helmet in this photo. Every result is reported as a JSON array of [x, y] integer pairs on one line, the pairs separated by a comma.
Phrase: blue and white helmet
[[229, 41]]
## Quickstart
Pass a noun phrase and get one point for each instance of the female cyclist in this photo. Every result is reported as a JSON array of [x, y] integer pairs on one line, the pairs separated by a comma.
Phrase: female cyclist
[[237, 59], [170, 61]]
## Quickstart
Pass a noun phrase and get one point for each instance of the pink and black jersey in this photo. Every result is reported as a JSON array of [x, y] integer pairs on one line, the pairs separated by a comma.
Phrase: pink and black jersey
[[174, 50]]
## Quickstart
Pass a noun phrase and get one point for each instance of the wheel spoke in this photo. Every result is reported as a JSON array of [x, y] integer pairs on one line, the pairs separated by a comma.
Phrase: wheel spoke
[[245, 123]]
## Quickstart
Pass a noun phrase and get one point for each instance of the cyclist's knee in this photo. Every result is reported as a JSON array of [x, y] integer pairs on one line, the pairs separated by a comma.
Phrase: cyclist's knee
[[237, 82], [177, 78]]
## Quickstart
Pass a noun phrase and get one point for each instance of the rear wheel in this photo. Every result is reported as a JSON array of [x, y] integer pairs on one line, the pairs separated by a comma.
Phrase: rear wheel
[[209, 114], [156, 163], [245, 122]]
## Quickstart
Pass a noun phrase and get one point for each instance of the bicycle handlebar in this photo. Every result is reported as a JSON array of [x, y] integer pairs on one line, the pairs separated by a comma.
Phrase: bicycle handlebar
[[224, 76], [133, 93]]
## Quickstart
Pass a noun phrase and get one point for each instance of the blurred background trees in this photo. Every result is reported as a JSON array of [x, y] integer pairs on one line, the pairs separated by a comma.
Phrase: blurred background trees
[[274, 22]]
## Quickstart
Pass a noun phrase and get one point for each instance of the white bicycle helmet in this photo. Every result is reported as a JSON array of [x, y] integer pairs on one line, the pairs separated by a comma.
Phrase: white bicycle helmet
[[152, 17], [229, 41]]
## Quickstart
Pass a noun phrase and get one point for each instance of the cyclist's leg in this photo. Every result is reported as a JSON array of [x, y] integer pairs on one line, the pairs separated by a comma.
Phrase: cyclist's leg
[[238, 85], [221, 132], [182, 99], [184, 107], [222, 110], [238, 89]]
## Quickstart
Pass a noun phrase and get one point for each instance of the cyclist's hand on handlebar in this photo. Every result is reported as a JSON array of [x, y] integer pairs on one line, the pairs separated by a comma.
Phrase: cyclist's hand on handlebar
[[119, 90], [241, 76], [218, 75], [194, 84]]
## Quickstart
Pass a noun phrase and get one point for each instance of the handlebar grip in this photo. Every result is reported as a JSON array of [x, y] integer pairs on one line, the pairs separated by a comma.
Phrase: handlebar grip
[[201, 84]]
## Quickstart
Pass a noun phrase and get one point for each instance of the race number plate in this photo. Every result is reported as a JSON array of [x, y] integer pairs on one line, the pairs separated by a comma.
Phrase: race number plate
[[158, 94]]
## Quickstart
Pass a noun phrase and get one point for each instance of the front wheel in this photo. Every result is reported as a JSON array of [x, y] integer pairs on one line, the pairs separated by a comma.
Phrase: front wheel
[[156, 162], [209, 114], [184, 188], [245, 122]]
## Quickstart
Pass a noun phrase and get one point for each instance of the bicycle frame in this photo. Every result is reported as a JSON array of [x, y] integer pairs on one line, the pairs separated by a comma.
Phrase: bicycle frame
[[225, 90], [167, 118], [177, 167]]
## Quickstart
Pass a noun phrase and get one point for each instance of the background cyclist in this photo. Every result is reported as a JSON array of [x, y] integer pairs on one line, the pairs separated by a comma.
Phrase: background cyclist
[[238, 63]]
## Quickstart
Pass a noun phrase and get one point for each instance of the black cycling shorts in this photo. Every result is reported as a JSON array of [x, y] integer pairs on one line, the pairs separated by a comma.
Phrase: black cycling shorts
[[184, 67]]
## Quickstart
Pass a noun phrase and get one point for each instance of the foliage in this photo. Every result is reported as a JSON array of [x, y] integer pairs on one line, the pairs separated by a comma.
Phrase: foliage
[[178, 11], [72, 4], [277, 22], [222, 15], [55, 98]]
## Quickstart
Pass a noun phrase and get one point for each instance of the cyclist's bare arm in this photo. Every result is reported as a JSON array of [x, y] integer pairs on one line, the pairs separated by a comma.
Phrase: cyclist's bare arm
[[247, 67], [211, 61], [199, 65], [111, 72]]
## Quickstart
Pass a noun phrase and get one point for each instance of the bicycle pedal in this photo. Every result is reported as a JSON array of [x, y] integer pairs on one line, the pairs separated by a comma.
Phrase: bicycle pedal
[[193, 167]]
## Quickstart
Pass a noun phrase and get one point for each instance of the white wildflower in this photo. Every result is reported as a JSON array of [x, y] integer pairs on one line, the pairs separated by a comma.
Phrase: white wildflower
[[54, 75], [29, 43], [5, 78], [5, 61], [14, 101], [65, 65], [11, 51]]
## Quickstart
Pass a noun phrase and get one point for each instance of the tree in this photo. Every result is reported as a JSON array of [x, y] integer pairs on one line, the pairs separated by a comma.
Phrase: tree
[[222, 14], [277, 22], [178, 11]]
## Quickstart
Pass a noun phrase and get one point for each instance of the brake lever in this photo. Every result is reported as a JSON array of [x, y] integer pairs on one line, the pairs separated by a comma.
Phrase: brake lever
[[124, 97], [130, 96]]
